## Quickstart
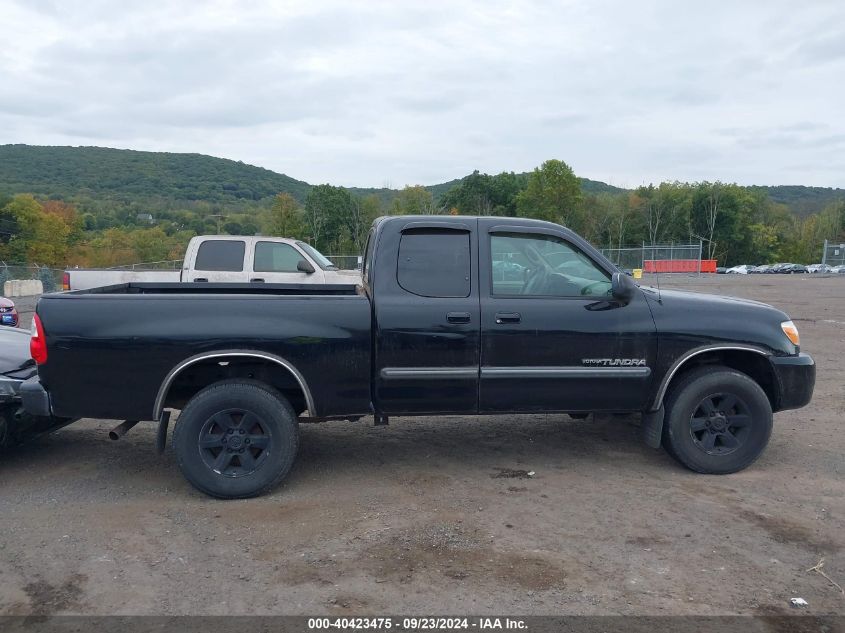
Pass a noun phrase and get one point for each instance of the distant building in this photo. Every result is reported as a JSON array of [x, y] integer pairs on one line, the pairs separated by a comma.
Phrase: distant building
[[145, 217]]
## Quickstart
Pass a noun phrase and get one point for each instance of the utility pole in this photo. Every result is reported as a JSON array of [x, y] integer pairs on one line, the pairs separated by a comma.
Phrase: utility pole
[[219, 216]]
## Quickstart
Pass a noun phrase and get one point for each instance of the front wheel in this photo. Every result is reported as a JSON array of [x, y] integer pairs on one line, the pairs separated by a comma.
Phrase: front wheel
[[718, 420], [236, 439]]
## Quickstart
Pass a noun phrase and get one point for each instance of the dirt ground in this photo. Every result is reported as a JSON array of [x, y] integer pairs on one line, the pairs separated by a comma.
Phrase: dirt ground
[[441, 515]]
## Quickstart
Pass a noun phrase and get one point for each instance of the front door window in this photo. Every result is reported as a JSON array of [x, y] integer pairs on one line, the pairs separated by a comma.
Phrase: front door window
[[524, 264]]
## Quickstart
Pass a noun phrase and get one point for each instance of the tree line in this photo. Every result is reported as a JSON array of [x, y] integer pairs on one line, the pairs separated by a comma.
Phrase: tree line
[[735, 224]]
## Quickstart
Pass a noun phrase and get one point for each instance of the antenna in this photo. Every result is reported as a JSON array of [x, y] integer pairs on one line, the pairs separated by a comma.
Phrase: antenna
[[657, 276], [656, 269]]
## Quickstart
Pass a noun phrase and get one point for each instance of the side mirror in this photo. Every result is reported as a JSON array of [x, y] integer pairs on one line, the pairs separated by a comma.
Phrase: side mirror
[[304, 267], [622, 287]]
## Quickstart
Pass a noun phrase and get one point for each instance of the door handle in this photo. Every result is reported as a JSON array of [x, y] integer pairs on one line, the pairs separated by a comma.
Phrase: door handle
[[201, 279], [257, 280], [508, 317], [457, 317]]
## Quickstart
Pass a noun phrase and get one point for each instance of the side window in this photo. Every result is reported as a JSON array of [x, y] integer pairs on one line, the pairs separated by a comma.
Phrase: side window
[[223, 255], [276, 257], [434, 262], [543, 266]]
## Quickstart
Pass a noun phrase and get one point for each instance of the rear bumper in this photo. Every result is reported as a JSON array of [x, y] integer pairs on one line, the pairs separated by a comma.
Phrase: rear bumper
[[36, 400], [796, 376], [9, 388]]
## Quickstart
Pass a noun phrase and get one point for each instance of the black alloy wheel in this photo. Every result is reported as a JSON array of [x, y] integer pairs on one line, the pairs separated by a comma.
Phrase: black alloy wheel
[[720, 424], [235, 442]]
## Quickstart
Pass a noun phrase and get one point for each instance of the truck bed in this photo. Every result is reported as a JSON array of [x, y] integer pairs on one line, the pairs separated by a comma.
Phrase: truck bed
[[111, 348]]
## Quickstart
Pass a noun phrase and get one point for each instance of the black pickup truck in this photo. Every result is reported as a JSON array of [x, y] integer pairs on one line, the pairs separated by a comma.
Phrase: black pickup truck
[[456, 315]]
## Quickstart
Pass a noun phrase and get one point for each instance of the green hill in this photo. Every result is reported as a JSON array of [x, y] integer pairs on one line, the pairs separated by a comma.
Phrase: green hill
[[156, 181], [128, 175], [595, 187], [104, 178], [804, 200]]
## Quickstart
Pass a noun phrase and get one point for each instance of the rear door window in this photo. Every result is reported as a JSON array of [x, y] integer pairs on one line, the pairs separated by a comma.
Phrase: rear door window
[[435, 262], [221, 255]]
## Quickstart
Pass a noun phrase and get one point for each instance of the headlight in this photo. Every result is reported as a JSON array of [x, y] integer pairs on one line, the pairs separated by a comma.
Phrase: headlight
[[791, 332]]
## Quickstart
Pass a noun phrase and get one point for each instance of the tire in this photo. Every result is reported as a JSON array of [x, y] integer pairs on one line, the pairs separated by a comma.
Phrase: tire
[[236, 439], [718, 421]]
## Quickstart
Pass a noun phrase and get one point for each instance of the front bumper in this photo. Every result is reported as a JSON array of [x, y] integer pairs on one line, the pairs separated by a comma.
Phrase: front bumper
[[796, 376], [36, 400]]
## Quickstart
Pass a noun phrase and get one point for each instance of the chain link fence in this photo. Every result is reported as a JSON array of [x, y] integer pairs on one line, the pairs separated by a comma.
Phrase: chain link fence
[[346, 262], [625, 258], [51, 278], [661, 258], [833, 253]]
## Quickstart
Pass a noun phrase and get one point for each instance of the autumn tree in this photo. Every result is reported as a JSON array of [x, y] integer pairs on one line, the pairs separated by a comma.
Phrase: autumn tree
[[37, 237]]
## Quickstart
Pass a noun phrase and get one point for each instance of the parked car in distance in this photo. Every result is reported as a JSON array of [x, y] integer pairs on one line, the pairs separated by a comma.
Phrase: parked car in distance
[[839, 270], [819, 268], [436, 327], [230, 259], [721, 270], [742, 269], [759, 270], [793, 269], [8, 313]]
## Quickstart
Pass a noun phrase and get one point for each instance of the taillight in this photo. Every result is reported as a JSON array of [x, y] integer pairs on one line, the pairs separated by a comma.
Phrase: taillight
[[66, 281], [38, 343]]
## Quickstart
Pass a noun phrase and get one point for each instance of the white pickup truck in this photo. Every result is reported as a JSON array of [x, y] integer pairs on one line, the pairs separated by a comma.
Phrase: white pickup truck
[[228, 258]]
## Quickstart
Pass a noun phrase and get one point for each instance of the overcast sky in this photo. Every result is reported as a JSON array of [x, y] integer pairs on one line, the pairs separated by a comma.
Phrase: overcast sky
[[402, 92]]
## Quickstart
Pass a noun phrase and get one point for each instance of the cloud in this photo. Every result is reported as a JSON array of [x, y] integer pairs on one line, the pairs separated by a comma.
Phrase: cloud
[[426, 91]]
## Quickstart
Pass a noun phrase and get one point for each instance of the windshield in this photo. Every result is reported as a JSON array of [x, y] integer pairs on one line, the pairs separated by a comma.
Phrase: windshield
[[322, 261]]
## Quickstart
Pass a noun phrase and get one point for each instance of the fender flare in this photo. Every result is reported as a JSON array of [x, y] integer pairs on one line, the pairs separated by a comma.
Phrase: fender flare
[[223, 354], [667, 379]]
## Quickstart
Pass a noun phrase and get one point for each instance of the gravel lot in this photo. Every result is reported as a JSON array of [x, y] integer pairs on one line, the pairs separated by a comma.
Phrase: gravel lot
[[440, 515]]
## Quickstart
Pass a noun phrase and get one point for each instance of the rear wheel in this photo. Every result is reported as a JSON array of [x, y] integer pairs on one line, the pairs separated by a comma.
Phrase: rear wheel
[[236, 439], [718, 420]]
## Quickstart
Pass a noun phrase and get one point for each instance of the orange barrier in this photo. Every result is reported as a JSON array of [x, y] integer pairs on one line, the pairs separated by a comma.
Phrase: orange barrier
[[678, 265]]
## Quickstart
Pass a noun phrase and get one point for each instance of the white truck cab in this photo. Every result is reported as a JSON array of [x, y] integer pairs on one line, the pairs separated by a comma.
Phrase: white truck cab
[[237, 258]]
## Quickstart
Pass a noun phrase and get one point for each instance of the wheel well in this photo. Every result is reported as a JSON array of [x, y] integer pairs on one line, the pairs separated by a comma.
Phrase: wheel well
[[200, 374], [749, 363]]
